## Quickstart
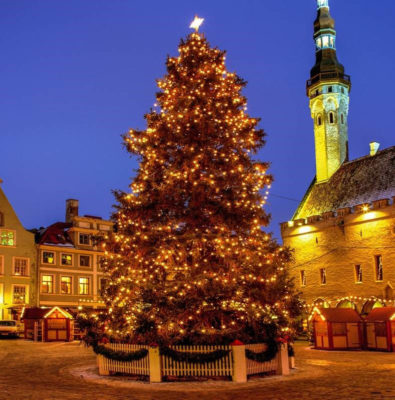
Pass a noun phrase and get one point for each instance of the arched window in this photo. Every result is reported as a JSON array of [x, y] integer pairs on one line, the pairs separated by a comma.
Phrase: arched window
[[330, 89], [342, 118], [319, 120], [331, 118]]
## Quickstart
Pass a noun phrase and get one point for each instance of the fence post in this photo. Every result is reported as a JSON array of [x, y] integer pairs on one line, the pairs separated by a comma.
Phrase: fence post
[[155, 373], [102, 370], [239, 370], [282, 359]]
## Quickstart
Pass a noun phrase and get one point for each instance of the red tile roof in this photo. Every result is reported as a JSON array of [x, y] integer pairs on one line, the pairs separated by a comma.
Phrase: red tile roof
[[339, 314], [56, 234], [380, 314]]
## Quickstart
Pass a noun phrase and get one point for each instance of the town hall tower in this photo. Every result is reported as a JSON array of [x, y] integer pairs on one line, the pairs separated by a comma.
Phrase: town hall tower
[[328, 89]]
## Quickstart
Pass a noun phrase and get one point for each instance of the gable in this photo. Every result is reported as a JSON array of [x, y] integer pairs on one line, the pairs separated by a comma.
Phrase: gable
[[8, 217]]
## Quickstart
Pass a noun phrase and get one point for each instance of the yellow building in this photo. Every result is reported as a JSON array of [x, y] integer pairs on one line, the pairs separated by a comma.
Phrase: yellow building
[[343, 232], [69, 260], [17, 263]]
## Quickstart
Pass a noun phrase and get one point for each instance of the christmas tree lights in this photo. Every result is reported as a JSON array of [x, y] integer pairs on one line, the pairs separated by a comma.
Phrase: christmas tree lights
[[189, 261]]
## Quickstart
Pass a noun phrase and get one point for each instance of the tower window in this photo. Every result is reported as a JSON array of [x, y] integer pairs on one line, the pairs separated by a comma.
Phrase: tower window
[[331, 118], [303, 278], [358, 274], [379, 268], [330, 89], [323, 276], [319, 120], [342, 118], [342, 90]]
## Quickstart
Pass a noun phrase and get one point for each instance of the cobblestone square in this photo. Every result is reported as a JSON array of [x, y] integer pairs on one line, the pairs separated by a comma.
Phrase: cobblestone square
[[48, 371]]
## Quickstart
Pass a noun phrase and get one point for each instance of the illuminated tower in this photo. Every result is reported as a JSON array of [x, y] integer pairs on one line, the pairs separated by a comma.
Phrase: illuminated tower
[[328, 89]]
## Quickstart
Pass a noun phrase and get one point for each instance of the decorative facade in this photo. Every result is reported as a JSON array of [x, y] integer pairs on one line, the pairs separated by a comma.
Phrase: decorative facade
[[17, 263], [69, 260], [343, 231]]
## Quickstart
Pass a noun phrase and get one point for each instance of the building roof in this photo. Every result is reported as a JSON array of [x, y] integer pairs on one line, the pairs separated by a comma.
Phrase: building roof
[[338, 314], [360, 181], [381, 314], [55, 234]]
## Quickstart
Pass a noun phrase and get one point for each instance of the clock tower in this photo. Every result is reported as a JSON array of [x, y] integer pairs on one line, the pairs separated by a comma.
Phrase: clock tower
[[328, 90]]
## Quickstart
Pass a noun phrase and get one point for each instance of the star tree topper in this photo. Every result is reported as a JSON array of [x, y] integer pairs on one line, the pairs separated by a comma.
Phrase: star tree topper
[[196, 23]]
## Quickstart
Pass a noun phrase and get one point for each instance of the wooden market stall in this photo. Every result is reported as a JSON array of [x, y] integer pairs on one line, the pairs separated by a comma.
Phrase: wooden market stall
[[48, 324], [336, 328], [380, 329]]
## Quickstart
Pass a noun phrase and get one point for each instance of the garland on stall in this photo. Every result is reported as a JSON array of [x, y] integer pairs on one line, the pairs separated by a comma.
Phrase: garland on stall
[[263, 356], [193, 358], [120, 355]]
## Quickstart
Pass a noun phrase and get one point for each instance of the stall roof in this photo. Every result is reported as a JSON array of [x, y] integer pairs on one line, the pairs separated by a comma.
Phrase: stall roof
[[381, 314], [40, 313], [337, 314]]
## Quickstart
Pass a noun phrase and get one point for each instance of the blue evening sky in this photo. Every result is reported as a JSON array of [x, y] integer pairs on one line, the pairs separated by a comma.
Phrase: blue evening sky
[[76, 74]]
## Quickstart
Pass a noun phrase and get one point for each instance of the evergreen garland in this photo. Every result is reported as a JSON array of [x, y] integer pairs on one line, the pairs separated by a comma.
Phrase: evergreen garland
[[263, 356], [117, 355], [194, 358]]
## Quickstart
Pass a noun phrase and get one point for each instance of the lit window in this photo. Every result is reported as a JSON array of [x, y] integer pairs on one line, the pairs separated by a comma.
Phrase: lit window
[[323, 276], [318, 43], [84, 239], [48, 257], [322, 3], [379, 268], [67, 259], [47, 284], [7, 238], [358, 274], [19, 294], [65, 284], [21, 266], [325, 42], [331, 118], [83, 286], [303, 278], [85, 261], [332, 42]]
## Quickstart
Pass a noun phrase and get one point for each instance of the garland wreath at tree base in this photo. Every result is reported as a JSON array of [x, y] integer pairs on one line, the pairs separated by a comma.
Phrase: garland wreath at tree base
[[264, 356], [117, 355], [193, 358]]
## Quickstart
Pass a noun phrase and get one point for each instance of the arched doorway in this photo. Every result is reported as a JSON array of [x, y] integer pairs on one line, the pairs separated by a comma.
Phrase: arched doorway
[[321, 303], [370, 305], [346, 304]]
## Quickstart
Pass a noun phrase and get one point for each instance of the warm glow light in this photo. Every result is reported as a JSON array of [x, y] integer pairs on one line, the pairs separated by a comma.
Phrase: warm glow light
[[56, 308], [316, 310], [196, 23]]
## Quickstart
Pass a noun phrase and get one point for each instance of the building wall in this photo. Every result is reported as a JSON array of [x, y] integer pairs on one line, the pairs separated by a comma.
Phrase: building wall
[[17, 262], [338, 243], [57, 269]]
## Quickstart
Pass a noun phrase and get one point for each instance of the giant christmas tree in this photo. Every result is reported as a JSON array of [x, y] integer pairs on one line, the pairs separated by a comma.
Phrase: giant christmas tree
[[189, 262]]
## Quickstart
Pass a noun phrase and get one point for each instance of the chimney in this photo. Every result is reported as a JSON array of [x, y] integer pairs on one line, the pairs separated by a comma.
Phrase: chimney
[[374, 146], [71, 209]]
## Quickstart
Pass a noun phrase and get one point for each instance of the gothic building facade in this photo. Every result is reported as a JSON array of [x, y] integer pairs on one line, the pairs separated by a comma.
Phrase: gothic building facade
[[343, 231]]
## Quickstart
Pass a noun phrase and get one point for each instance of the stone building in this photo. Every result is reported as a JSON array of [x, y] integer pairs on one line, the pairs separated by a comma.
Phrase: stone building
[[343, 231], [69, 260], [17, 263]]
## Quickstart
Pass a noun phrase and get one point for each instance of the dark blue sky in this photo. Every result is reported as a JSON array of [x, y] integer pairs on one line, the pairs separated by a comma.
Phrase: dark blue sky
[[76, 74]]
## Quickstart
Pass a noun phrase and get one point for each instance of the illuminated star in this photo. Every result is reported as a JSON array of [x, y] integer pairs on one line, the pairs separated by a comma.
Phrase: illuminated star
[[196, 23]]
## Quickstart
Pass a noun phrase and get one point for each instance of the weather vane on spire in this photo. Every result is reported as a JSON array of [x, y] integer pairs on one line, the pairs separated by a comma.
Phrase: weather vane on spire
[[196, 23]]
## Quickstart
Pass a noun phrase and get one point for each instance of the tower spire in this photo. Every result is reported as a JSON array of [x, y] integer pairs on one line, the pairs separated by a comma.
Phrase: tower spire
[[328, 89]]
